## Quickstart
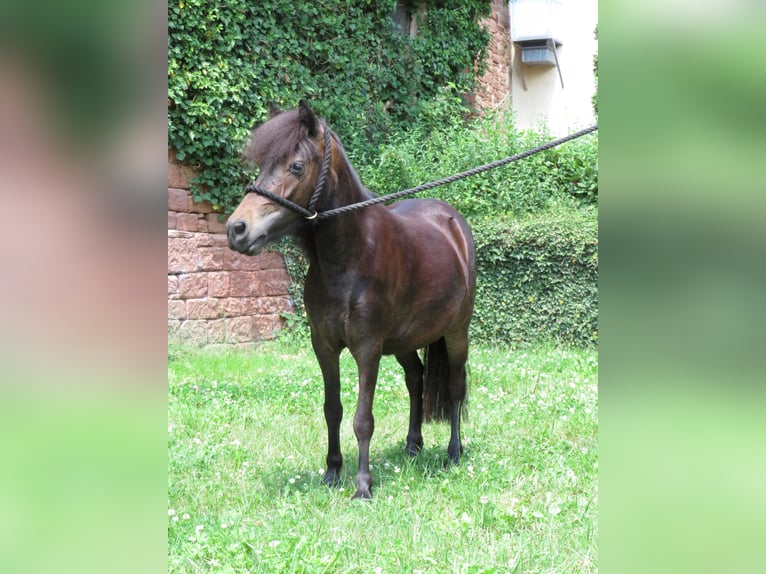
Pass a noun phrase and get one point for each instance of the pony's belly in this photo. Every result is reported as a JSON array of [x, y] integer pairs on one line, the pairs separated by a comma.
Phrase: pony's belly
[[418, 337]]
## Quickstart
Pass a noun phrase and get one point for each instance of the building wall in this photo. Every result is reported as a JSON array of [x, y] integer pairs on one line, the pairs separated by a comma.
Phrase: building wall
[[495, 84], [216, 295], [544, 100]]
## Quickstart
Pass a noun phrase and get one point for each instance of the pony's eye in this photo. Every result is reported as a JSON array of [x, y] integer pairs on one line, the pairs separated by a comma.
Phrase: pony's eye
[[297, 167]]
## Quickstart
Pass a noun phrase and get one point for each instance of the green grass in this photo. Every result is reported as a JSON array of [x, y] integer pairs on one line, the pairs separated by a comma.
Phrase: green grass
[[247, 441]]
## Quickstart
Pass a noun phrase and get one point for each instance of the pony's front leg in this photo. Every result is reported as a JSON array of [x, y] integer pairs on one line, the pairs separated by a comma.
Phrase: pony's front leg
[[364, 422], [333, 409]]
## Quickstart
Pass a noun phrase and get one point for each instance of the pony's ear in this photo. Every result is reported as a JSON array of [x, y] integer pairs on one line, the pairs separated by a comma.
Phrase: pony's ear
[[308, 118], [273, 109]]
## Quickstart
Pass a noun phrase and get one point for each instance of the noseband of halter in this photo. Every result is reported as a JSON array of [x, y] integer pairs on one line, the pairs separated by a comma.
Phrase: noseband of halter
[[309, 212]]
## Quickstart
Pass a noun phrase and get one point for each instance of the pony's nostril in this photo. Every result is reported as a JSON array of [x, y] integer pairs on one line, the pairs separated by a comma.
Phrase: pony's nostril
[[239, 228]]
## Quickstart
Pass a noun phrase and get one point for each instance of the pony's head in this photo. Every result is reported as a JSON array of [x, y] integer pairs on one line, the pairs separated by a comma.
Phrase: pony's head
[[288, 150]]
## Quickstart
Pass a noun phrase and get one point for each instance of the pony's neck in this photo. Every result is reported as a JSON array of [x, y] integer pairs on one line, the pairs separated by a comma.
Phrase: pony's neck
[[340, 237]]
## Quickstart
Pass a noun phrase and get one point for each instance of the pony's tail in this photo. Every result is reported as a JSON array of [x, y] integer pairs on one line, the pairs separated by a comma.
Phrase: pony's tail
[[437, 403]]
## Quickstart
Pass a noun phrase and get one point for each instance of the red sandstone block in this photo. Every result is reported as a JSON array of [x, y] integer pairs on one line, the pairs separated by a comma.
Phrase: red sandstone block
[[233, 261], [210, 258], [194, 331], [203, 240], [277, 305], [203, 309], [241, 284], [211, 240], [192, 285], [213, 225], [188, 222], [219, 240], [239, 329], [266, 326], [271, 260], [231, 306], [218, 284], [201, 224], [179, 175], [249, 306], [266, 305], [182, 255], [271, 282], [172, 285], [201, 207], [173, 325], [216, 331], [178, 199], [176, 309], [176, 176], [172, 220]]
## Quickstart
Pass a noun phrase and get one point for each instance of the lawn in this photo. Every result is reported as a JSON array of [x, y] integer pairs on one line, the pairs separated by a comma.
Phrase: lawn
[[246, 449]]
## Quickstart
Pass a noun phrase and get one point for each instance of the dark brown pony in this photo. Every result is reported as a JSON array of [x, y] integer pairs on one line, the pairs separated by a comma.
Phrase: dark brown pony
[[381, 281]]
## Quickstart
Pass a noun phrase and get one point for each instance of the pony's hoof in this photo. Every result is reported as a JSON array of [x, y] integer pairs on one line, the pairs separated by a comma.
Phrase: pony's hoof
[[363, 487], [332, 478], [413, 448], [453, 459], [362, 494], [453, 454]]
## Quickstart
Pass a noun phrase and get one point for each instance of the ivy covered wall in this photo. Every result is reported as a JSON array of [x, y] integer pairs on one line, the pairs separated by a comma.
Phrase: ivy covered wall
[[366, 76]]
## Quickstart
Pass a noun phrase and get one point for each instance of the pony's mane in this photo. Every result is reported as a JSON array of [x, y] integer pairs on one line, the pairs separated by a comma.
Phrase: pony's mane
[[351, 171], [277, 138]]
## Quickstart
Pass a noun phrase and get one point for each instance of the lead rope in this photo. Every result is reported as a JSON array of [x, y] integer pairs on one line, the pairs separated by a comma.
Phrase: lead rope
[[312, 215], [322, 180]]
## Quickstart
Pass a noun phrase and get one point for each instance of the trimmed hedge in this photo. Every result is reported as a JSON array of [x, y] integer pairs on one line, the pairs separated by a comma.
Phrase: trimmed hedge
[[537, 279]]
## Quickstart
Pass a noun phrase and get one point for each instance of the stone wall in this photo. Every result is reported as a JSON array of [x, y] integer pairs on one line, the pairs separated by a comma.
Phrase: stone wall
[[495, 85], [214, 294]]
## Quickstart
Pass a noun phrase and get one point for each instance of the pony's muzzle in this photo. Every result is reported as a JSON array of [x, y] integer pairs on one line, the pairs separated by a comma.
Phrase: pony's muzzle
[[237, 234], [238, 228]]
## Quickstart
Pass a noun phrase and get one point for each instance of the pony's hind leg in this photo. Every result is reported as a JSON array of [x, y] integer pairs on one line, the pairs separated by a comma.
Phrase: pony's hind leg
[[413, 376], [457, 353]]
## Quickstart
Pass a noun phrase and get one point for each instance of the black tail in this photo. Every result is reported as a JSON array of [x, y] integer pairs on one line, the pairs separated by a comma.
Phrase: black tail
[[437, 403]]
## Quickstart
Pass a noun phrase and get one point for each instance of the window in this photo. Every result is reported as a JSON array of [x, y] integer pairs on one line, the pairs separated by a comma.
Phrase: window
[[405, 17]]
